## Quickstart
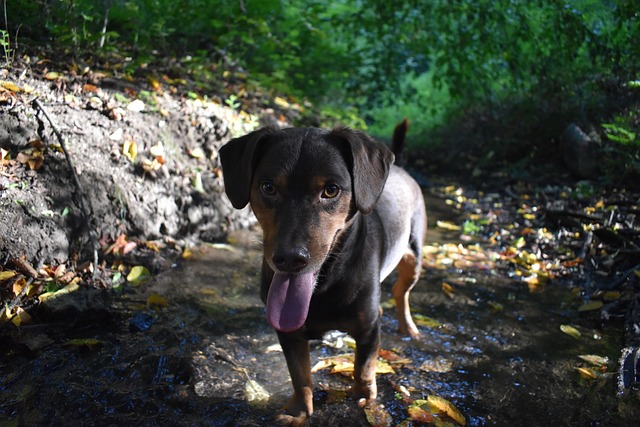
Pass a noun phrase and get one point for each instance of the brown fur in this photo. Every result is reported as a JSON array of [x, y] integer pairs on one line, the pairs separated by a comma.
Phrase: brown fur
[[332, 207]]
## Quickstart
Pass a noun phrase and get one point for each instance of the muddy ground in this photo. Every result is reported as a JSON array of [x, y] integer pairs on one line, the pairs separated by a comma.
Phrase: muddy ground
[[190, 346]]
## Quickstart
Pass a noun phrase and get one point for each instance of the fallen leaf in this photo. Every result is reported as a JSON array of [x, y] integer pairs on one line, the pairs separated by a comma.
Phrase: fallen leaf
[[130, 149], [448, 289], [197, 153], [89, 88], [595, 359], [393, 357], [52, 75], [377, 416], [382, 367], [321, 364], [10, 86], [7, 274], [5, 155], [587, 373], [281, 102], [441, 405], [420, 415], [19, 285], [447, 225], [590, 306], [255, 394], [157, 300], [570, 330], [138, 274], [21, 317], [426, 321]]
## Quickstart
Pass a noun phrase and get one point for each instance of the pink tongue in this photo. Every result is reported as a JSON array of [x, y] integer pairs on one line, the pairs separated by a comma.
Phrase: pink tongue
[[288, 300]]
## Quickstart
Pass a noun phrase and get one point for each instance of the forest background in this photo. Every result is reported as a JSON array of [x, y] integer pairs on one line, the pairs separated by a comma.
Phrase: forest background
[[520, 70]]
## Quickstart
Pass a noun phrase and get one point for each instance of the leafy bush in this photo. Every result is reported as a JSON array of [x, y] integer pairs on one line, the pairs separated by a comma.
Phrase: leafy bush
[[385, 58]]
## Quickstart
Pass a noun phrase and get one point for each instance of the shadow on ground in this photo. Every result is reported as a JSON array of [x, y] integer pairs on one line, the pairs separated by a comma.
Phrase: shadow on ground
[[192, 347]]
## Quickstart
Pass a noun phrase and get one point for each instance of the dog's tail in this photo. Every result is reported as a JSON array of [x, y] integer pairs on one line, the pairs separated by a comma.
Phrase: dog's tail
[[397, 142]]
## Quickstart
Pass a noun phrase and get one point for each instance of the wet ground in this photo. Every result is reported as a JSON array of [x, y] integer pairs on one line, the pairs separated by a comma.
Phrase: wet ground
[[192, 347]]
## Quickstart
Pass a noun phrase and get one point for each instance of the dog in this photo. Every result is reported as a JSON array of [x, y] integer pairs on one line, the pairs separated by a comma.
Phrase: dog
[[337, 217]]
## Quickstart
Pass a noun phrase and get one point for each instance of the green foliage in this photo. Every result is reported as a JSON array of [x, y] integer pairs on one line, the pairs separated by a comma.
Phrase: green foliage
[[619, 134], [419, 98], [388, 59], [7, 51]]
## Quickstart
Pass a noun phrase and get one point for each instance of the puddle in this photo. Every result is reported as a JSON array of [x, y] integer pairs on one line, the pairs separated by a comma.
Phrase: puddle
[[491, 347]]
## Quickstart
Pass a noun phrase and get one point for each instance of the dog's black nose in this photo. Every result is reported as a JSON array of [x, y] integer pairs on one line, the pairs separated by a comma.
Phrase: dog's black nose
[[291, 260]]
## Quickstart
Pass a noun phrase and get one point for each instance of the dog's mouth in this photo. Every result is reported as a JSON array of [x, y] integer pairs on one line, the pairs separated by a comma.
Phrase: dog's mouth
[[289, 299]]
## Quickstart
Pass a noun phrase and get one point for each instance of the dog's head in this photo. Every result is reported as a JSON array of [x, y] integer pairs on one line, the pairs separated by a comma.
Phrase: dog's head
[[304, 184]]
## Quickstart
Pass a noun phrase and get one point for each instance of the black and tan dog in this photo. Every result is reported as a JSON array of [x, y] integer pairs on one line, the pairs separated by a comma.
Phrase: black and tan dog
[[337, 218]]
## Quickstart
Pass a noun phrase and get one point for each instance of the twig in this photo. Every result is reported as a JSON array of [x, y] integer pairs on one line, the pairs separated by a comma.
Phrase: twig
[[85, 207]]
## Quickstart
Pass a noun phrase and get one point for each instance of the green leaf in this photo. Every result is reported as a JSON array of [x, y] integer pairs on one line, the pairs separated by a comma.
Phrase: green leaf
[[138, 274]]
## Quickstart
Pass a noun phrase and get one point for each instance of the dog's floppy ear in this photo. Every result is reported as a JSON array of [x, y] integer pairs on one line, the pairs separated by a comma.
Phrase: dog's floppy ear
[[370, 167], [238, 159]]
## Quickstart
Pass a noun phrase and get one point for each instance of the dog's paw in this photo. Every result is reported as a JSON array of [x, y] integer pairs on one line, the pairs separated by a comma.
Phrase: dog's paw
[[298, 410], [364, 394], [289, 420], [409, 328]]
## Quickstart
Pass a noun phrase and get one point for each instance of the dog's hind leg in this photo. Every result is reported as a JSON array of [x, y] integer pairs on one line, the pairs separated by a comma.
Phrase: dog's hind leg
[[409, 269]]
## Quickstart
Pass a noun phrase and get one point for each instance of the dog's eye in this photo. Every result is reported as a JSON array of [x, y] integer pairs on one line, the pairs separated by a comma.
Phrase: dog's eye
[[267, 188], [330, 191]]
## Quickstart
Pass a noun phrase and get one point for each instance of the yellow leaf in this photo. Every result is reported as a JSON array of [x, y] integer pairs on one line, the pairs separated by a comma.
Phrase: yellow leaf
[[447, 225], [448, 289], [322, 364], [570, 330], [442, 405], [7, 274], [157, 300], [21, 317], [590, 306], [382, 367], [496, 307], [197, 153], [587, 373], [343, 366], [138, 274], [52, 75], [130, 149], [428, 322], [10, 86], [19, 285], [281, 102], [612, 295]]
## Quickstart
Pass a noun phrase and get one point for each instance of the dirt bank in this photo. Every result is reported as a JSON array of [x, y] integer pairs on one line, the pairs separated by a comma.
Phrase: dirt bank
[[146, 160]]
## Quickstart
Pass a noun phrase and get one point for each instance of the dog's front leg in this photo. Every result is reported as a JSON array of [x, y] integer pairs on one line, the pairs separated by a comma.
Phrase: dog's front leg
[[367, 347], [300, 407]]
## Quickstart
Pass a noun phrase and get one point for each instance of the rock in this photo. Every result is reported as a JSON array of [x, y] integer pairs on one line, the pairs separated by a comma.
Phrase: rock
[[579, 152]]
